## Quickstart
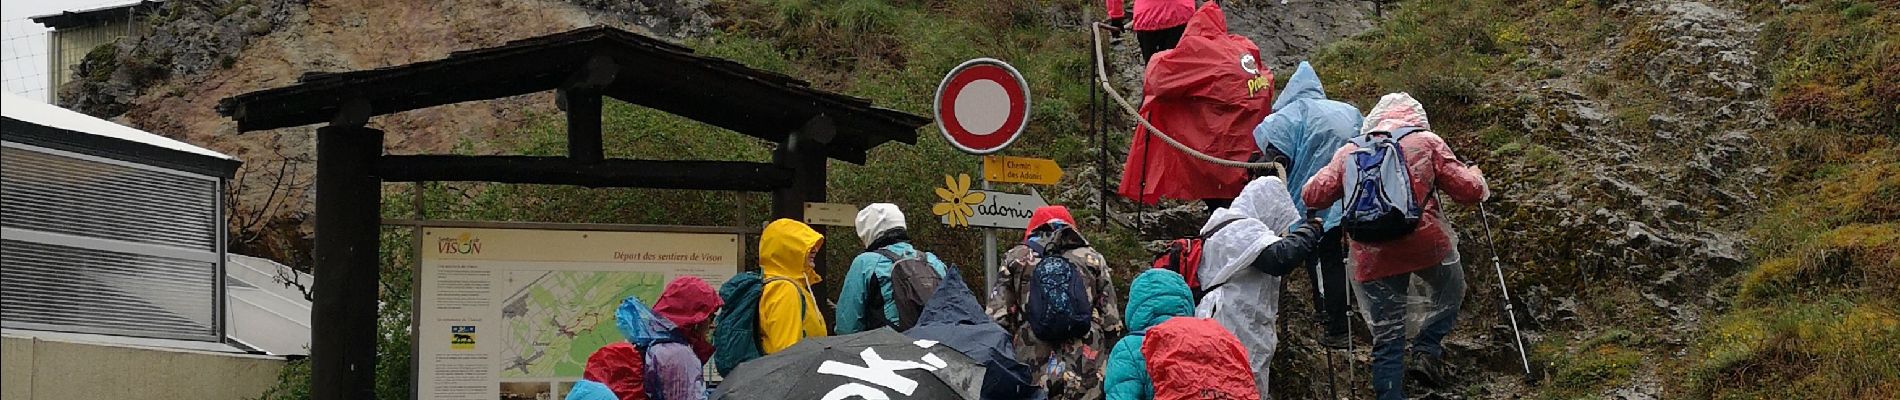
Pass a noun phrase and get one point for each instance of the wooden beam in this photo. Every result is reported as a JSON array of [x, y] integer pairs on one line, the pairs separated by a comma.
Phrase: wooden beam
[[699, 175], [343, 305], [583, 124]]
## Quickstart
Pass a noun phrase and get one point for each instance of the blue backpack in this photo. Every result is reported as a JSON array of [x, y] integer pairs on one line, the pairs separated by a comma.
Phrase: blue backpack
[[1380, 204], [1059, 306]]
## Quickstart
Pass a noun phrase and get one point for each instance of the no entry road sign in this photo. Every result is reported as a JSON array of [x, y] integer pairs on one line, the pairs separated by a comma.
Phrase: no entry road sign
[[982, 106]]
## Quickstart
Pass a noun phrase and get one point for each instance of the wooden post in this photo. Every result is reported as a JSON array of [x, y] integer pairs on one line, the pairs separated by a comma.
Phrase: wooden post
[[805, 155], [583, 124], [343, 308]]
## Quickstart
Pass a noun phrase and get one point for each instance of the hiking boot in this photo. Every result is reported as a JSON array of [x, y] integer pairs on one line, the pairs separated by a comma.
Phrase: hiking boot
[[1335, 341], [1428, 369]]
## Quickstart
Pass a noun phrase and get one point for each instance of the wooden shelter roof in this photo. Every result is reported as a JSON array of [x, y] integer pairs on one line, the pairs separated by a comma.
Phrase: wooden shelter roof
[[623, 65]]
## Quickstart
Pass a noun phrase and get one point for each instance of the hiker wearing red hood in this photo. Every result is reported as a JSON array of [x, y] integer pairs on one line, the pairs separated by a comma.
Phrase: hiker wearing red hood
[[1158, 24], [1207, 94], [1067, 362], [689, 302]]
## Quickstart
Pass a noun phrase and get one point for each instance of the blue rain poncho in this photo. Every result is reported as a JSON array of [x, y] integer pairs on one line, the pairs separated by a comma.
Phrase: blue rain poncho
[[1308, 128]]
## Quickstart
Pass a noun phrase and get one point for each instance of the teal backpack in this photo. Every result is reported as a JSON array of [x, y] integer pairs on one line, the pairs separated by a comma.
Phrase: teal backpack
[[735, 337]]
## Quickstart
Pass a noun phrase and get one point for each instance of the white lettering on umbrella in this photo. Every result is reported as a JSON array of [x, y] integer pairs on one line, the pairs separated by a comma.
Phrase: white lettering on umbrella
[[935, 361], [877, 371], [857, 390]]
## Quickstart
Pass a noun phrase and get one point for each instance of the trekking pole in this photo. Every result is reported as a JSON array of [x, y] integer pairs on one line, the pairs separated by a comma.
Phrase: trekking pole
[[1484, 218], [1332, 374], [1352, 344]]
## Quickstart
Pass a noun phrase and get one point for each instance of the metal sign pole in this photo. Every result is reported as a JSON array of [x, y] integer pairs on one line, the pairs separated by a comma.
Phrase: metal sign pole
[[989, 252]]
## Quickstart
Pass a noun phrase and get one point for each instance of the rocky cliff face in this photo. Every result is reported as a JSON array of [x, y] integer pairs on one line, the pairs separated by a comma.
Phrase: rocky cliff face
[[169, 81]]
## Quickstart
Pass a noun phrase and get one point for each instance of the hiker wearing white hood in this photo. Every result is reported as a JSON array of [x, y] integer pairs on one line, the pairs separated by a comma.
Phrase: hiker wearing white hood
[[867, 300], [1242, 261]]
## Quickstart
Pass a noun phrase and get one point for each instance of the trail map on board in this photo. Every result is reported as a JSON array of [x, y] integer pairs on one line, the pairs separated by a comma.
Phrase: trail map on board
[[515, 313], [558, 318]]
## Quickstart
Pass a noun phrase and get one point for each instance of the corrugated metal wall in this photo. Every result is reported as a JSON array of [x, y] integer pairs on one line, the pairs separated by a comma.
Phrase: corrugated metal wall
[[70, 45], [103, 246]]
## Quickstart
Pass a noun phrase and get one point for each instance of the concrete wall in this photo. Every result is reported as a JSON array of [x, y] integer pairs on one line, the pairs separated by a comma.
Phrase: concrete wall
[[35, 369]]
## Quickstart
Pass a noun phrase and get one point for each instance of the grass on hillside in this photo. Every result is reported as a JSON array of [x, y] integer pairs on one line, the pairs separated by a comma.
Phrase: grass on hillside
[[1819, 317], [1820, 308]]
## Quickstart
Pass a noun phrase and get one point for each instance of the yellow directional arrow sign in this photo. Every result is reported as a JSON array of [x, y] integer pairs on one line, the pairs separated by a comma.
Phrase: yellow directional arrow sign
[[1036, 171]]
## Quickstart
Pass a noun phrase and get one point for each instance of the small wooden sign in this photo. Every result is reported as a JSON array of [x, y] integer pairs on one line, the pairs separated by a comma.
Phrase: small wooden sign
[[833, 214], [1035, 171]]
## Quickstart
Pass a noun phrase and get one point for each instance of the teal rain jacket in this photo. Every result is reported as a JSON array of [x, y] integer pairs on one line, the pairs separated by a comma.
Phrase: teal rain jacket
[[856, 281], [1153, 297]]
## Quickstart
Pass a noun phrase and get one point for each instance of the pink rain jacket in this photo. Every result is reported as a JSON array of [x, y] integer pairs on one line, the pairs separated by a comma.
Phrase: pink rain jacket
[[1153, 15], [1431, 164]]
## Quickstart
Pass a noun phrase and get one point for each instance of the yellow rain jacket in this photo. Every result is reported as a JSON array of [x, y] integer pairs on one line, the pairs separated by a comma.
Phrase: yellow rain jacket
[[788, 312]]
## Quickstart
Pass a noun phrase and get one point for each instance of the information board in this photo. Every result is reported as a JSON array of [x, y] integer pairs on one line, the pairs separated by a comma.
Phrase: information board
[[514, 313]]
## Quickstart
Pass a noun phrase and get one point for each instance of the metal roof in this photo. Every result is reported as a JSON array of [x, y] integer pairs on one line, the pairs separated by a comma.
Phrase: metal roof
[[36, 123], [265, 313], [48, 115], [65, 19]]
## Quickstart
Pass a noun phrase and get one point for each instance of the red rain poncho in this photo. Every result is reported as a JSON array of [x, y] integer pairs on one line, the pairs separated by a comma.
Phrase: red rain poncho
[[1208, 93], [1195, 358]]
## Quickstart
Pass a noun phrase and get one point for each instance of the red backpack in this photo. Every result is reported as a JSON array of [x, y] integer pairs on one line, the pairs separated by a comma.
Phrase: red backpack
[[1195, 359], [1183, 256], [620, 366]]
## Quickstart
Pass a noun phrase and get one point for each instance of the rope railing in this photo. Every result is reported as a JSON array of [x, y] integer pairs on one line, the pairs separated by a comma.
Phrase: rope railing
[[1101, 77]]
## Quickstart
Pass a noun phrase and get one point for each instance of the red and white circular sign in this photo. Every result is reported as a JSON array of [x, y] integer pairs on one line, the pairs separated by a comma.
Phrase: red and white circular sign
[[982, 106]]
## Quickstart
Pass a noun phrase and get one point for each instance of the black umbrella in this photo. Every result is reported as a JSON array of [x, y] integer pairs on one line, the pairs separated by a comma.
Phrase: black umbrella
[[880, 364], [955, 317]]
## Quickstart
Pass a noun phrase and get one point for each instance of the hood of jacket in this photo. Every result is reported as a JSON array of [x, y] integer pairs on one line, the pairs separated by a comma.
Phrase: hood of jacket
[[1396, 110], [877, 218], [1046, 214], [1264, 213], [1266, 199], [1303, 85], [1155, 296], [1207, 21], [687, 301], [784, 248]]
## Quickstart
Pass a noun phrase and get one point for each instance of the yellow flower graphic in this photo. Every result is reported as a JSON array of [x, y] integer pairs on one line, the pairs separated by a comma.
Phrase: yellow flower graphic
[[957, 199]]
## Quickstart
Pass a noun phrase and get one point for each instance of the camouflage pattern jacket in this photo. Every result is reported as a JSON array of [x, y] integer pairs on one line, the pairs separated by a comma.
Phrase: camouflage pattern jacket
[[1071, 370]]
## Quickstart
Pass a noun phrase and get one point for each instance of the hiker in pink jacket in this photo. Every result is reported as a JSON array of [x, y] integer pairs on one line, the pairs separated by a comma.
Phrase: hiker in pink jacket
[[1158, 24], [1382, 271]]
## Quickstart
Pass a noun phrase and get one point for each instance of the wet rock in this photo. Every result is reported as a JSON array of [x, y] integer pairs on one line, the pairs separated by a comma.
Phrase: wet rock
[[1287, 32], [668, 18], [1705, 54], [1638, 235], [187, 40]]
